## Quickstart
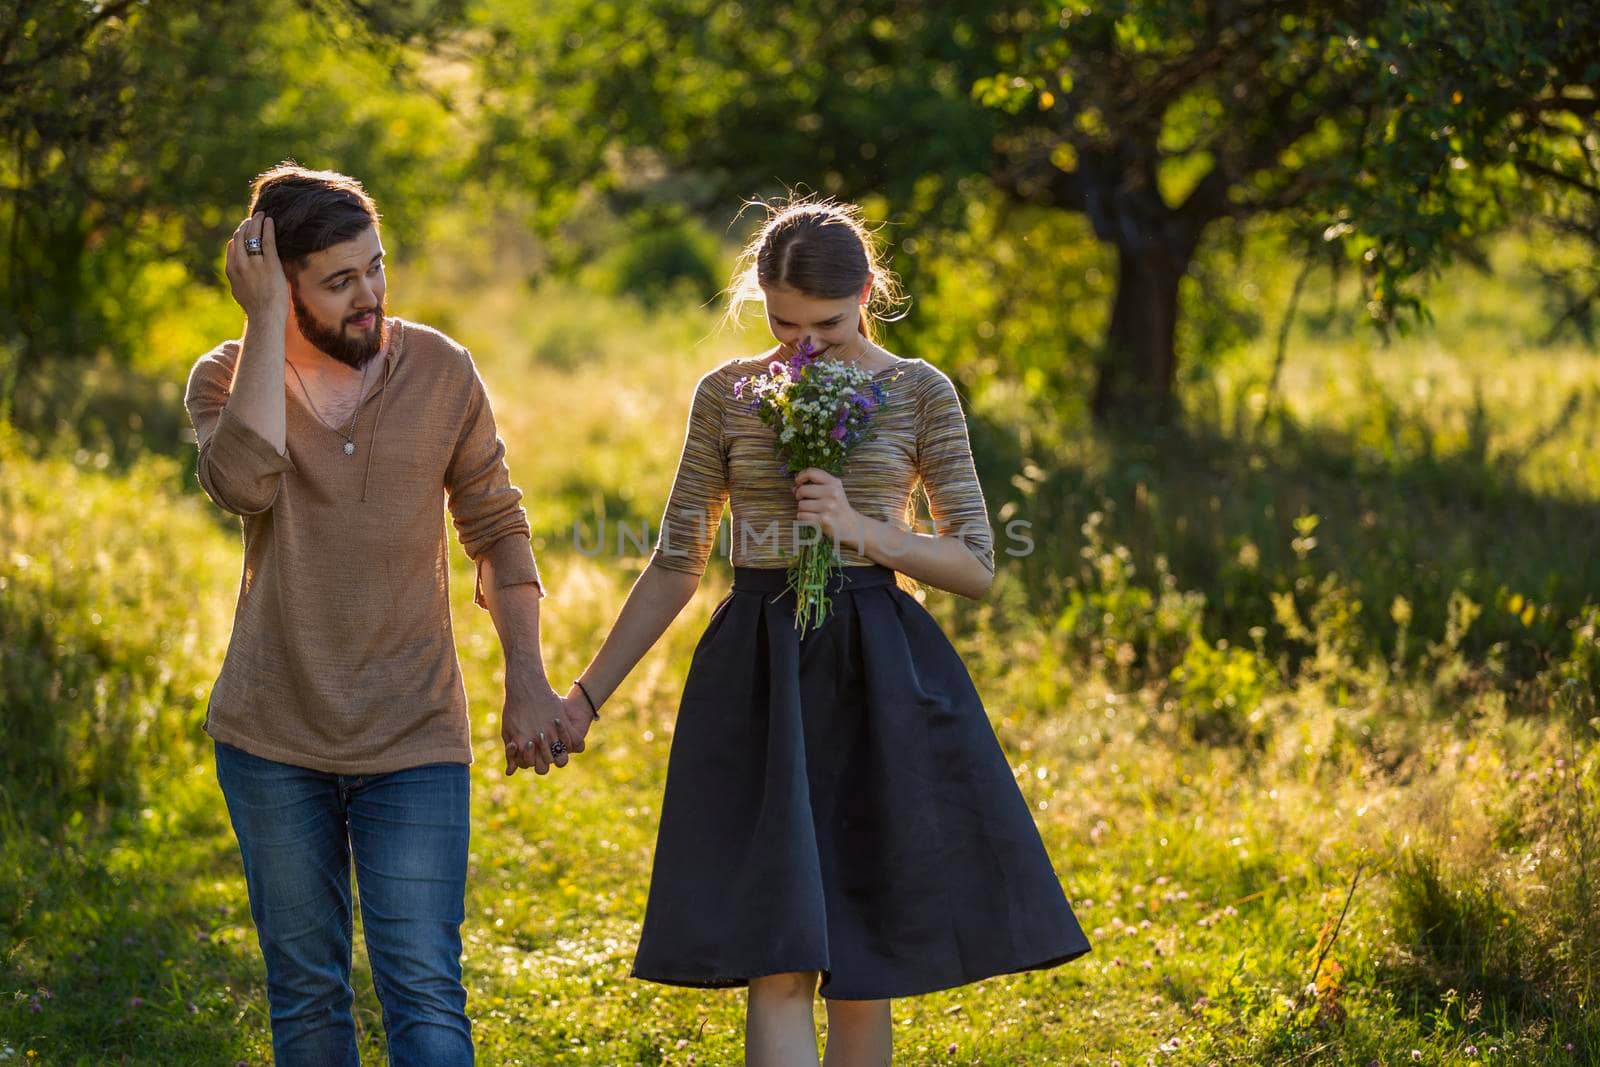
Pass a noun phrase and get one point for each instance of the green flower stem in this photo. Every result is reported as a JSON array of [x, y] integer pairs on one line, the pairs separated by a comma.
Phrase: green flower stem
[[809, 574]]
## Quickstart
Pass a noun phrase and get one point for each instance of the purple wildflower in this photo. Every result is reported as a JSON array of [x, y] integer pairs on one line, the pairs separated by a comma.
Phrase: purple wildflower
[[804, 356]]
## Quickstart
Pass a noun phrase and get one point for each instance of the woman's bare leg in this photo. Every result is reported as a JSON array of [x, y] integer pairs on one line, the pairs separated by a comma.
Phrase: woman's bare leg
[[779, 1028], [859, 1034]]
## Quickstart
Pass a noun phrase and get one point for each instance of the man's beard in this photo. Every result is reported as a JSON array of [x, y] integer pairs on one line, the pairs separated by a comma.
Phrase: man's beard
[[356, 351]]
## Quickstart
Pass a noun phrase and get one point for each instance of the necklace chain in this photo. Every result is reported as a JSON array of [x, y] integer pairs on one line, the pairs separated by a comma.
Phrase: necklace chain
[[350, 434]]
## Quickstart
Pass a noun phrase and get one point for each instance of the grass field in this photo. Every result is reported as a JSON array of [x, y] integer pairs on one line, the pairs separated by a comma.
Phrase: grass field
[[1307, 720]]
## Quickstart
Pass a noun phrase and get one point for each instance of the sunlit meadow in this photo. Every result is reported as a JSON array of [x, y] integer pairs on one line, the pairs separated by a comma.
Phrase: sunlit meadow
[[1314, 801]]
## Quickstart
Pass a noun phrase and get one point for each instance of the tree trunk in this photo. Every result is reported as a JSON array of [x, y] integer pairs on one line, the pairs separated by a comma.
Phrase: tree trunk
[[1138, 365], [1117, 188]]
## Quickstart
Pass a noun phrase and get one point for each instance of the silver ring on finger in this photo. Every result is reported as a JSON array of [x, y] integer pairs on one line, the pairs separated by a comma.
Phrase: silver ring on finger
[[252, 246]]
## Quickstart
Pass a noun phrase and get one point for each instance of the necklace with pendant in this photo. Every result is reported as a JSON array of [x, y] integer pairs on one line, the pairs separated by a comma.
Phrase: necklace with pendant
[[349, 435]]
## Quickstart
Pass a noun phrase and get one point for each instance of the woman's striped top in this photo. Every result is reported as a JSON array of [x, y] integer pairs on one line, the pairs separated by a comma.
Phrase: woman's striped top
[[729, 457]]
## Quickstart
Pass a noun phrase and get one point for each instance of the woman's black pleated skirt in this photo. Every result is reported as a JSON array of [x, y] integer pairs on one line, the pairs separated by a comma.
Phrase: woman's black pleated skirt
[[839, 803]]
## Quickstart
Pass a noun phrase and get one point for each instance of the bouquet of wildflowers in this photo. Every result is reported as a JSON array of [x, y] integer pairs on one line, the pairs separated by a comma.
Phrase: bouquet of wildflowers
[[820, 410]]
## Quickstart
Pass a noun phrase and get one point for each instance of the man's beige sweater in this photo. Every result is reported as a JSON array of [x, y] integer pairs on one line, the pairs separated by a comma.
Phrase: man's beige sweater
[[342, 657]]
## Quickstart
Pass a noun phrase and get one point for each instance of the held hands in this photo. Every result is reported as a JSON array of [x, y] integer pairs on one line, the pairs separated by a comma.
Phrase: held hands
[[539, 728], [254, 271]]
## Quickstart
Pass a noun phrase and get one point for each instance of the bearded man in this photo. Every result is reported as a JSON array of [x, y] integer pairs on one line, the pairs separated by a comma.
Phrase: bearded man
[[340, 436]]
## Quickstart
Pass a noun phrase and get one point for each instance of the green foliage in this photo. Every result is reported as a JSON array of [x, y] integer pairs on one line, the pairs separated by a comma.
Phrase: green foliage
[[1524, 934], [137, 130], [1581, 666], [1016, 296], [101, 669], [1477, 112], [1387, 136], [671, 262], [843, 97], [1118, 624], [996, 140], [1461, 923], [1220, 690]]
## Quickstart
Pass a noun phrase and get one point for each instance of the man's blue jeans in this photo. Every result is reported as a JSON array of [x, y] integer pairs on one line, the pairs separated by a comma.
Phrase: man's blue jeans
[[407, 831]]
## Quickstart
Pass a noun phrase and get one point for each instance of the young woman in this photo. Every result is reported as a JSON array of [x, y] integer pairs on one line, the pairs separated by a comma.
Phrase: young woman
[[836, 805]]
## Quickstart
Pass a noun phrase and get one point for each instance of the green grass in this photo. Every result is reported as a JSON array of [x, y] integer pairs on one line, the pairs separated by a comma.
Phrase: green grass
[[1207, 828]]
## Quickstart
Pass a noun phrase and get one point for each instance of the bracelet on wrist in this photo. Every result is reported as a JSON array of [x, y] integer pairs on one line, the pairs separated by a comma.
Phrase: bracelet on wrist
[[593, 710]]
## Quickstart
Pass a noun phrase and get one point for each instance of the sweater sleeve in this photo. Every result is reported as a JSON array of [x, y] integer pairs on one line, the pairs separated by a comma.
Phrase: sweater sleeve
[[949, 476], [238, 468], [700, 489], [485, 507]]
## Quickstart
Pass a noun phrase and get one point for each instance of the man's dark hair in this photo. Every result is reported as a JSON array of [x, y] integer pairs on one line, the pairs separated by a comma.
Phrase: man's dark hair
[[311, 209]]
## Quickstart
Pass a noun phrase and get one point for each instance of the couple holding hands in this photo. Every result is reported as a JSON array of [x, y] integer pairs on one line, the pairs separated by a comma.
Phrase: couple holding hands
[[837, 808]]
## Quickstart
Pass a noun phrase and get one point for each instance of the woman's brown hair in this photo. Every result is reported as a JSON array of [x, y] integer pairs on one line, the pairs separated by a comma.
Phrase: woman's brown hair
[[817, 247]]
